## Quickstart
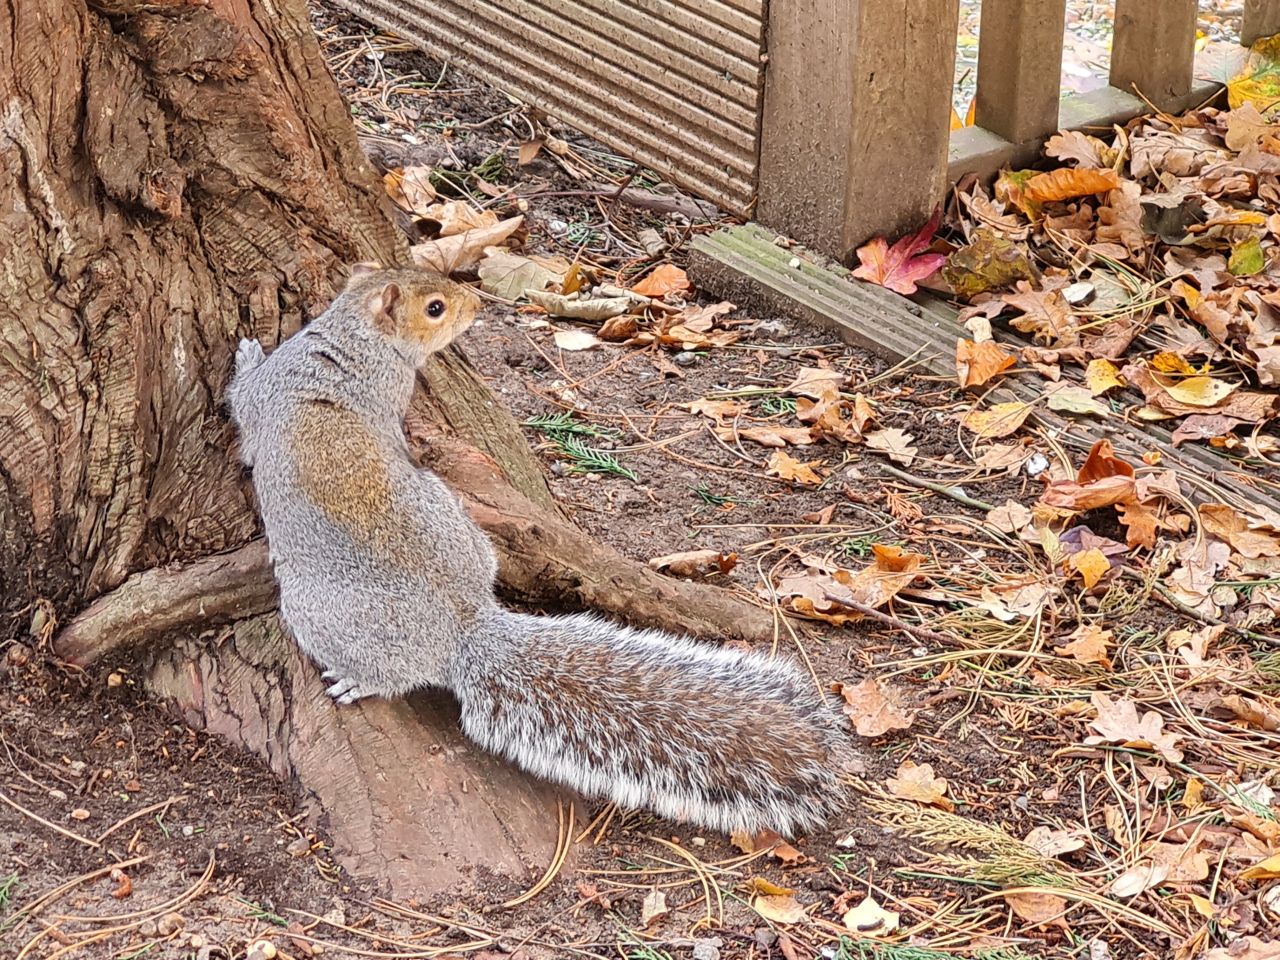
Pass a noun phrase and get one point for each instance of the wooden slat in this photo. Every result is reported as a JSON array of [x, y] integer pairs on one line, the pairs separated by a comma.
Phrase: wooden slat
[[1261, 19], [857, 110], [743, 264], [1020, 67], [1154, 49]]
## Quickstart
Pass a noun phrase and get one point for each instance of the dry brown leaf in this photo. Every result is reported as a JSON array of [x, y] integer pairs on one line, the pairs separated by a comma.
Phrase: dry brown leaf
[[893, 443], [788, 468], [1187, 863], [1086, 151], [1120, 218], [1268, 869], [877, 584], [1066, 183], [815, 382], [779, 909], [1118, 722], [654, 907], [1091, 564], [1046, 315], [918, 783], [717, 410], [695, 563], [576, 339], [410, 188], [1138, 879], [664, 279], [1088, 644], [1102, 463], [770, 436], [874, 708], [457, 216], [1038, 908], [620, 328], [447, 255], [1054, 843], [976, 363], [1010, 517], [1246, 948]]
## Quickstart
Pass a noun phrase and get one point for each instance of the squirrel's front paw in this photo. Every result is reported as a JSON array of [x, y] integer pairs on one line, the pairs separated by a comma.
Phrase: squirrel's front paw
[[343, 689], [248, 355]]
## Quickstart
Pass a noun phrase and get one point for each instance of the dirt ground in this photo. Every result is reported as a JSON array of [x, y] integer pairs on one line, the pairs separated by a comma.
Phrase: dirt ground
[[220, 857]]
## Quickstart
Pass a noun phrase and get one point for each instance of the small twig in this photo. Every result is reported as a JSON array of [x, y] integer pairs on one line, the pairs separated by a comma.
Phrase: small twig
[[1205, 618], [52, 826], [920, 633], [162, 805], [943, 489]]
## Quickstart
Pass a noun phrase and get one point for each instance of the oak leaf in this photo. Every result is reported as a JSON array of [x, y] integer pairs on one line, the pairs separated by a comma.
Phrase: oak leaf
[[917, 782], [779, 909], [998, 421], [873, 708], [789, 468], [893, 443], [1066, 183], [1091, 564], [1118, 722], [1088, 644], [978, 362]]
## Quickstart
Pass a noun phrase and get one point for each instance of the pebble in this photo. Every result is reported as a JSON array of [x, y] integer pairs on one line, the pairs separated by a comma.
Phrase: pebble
[[685, 358], [299, 847], [261, 950], [188, 831], [170, 923]]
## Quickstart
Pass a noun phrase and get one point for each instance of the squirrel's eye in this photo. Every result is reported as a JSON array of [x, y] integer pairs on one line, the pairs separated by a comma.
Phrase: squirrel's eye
[[435, 307]]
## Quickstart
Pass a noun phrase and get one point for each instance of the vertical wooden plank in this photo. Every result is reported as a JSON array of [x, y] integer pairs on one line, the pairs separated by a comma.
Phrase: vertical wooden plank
[[1261, 19], [1154, 49], [857, 109], [1020, 67]]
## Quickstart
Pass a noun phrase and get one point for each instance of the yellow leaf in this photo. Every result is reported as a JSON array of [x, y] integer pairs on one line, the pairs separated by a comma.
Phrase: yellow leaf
[[1088, 644], [1200, 391], [1091, 564], [767, 887], [1268, 869], [1203, 906], [998, 421], [1166, 362], [1102, 375], [1193, 795]]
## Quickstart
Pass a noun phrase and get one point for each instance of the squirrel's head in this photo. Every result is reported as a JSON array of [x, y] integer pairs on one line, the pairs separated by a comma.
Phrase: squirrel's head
[[421, 310]]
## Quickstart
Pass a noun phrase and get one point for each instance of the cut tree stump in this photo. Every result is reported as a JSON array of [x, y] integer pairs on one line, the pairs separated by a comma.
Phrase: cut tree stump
[[746, 265]]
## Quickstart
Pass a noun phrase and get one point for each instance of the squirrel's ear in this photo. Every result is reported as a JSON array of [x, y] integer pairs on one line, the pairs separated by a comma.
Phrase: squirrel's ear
[[361, 269], [386, 307]]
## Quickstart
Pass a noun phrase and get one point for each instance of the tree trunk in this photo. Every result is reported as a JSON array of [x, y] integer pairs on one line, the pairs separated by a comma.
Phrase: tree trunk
[[175, 174]]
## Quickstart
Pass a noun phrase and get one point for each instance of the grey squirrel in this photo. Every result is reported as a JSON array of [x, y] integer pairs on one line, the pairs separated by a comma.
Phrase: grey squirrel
[[388, 584]]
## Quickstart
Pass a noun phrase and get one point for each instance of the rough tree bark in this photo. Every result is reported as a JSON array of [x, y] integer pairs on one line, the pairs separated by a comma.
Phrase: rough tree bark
[[175, 174]]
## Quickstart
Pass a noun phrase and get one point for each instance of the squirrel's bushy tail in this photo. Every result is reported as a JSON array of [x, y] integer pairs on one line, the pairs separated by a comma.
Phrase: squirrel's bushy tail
[[720, 738]]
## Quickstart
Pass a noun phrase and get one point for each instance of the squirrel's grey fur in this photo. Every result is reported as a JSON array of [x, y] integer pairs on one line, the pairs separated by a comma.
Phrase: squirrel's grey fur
[[400, 596]]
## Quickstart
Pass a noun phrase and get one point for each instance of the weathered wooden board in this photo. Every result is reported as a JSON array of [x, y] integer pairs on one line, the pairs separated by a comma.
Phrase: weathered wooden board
[[746, 265], [672, 84]]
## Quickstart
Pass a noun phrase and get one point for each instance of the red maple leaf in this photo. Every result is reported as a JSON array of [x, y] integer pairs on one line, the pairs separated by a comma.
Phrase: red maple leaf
[[900, 266]]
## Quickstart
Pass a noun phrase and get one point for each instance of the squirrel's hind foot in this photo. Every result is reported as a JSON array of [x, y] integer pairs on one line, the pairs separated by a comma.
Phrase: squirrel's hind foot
[[343, 689]]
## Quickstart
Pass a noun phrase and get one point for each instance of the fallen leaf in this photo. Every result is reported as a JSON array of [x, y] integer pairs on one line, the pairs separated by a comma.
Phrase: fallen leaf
[[1000, 420], [410, 188], [717, 410], [1268, 869], [453, 217], [1092, 565], [528, 150], [816, 383], [976, 363], [1088, 644], [1246, 948], [619, 328], [1065, 183], [664, 279], [769, 436], [1009, 518], [1038, 908], [1246, 258], [654, 907], [779, 909], [123, 885], [508, 275], [1120, 218], [1073, 398], [874, 708], [1086, 151], [1138, 879], [878, 583], [1118, 722], [870, 919], [1198, 391], [987, 262], [1054, 843], [893, 443], [447, 255], [901, 266], [572, 308], [918, 783], [1102, 375], [695, 563], [788, 468], [1186, 862], [767, 887], [576, 339]]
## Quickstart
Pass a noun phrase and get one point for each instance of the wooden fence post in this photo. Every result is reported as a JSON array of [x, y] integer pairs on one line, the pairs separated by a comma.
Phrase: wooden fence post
[[856, 119], [1154, 50], [1020, 67], [1261, 19]]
